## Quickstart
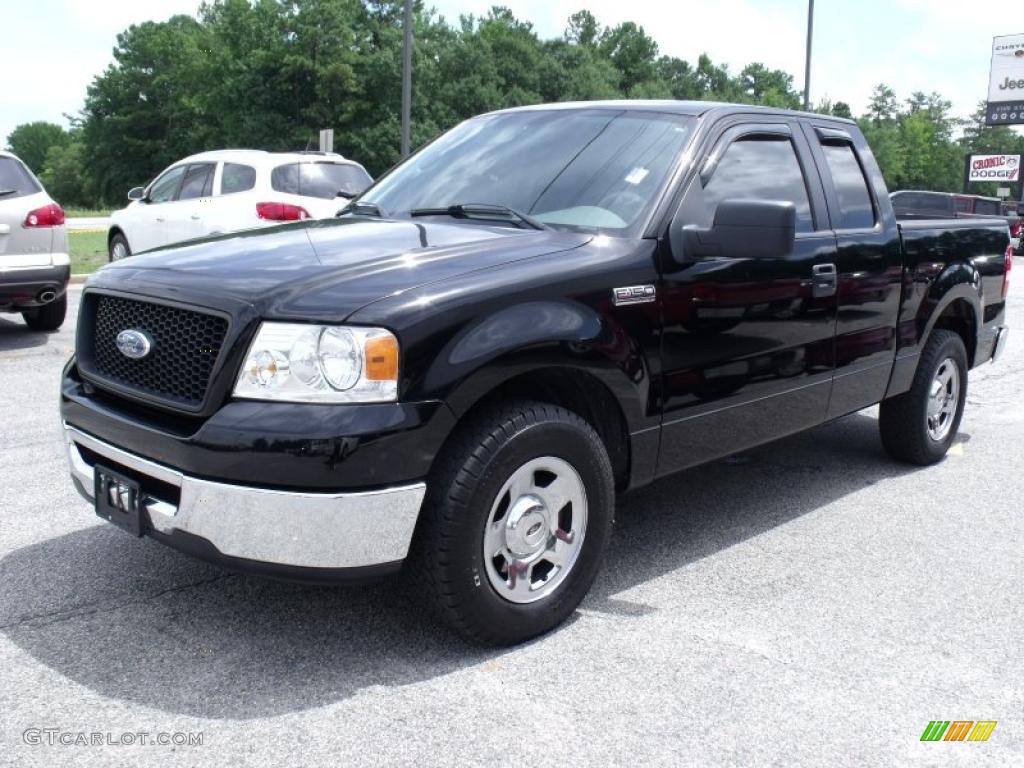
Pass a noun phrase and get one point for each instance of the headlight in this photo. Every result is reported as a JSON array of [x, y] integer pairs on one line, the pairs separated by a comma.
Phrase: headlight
[[320, 364]]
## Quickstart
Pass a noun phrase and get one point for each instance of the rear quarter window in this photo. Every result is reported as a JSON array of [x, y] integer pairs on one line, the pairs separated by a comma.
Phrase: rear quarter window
[[236, 177], [15, 179]]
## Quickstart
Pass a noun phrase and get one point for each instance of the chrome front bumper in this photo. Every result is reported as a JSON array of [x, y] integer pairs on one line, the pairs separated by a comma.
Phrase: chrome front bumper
[[296, 529]]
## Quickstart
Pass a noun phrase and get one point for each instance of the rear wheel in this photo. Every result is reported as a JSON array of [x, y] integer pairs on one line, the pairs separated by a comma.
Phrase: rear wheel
[[119, 248], [48, 317], [516, 520], [920, 425]]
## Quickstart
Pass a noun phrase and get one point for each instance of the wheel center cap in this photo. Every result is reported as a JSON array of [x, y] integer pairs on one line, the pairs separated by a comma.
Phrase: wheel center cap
[[526, 526]]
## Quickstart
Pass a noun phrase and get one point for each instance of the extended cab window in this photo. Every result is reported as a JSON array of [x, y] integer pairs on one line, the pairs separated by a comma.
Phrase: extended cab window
[[962, 204], [198, 182], [166, 187], [237, 178], [856, 210], [756, 168], [986, 207]]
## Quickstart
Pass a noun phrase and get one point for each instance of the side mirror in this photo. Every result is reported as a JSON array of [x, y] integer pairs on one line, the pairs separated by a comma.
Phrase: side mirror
[[757, 229], [137, 193]]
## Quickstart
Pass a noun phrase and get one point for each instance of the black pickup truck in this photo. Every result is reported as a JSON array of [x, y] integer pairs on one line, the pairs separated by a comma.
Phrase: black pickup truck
[[543, 308]]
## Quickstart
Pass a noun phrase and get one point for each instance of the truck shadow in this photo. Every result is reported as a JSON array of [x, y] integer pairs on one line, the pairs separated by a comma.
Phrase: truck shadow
[[134, 621], [14, 334]]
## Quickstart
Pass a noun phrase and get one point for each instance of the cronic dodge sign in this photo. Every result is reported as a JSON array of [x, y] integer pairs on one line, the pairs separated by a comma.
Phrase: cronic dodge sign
[[1006, 81], [994, 168]]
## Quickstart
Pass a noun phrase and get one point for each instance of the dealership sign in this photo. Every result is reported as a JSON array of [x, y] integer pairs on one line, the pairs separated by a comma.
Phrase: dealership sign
[[1006, 82], [1005, 168]]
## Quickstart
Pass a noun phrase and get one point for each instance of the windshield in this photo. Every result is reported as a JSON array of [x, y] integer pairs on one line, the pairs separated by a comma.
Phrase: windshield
[[588, 169]]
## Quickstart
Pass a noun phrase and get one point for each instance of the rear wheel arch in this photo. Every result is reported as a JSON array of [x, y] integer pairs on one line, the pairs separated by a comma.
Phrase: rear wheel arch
[[958, 311]]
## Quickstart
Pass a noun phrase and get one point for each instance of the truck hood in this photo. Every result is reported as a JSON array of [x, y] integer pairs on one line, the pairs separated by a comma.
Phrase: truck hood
[[327, 269]]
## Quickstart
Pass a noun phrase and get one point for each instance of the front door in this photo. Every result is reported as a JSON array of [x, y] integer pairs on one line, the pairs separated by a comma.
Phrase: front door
[[747, 343]]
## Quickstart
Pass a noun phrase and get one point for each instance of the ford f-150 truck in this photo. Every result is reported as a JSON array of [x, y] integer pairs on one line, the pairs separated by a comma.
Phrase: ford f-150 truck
[[541, 309]]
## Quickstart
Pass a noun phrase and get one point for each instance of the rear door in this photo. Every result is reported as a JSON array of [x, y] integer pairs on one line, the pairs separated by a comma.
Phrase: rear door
[[869, 263], [747, 342], [20, 193]]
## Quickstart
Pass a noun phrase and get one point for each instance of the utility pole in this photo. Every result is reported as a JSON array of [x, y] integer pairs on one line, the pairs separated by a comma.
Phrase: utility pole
[[807, 65], [406, 79]]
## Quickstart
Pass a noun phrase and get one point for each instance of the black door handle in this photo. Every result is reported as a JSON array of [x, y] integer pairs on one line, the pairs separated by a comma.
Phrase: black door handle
[[826, 280]]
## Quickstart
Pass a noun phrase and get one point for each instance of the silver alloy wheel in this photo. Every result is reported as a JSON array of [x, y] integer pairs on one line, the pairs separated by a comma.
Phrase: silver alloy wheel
[[535, 530], [119, 251], [943, 399]]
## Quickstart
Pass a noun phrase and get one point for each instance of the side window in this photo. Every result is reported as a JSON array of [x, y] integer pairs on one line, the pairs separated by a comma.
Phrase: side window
[[166, 186], [962, 204], [986, 207], [285, 178], [237, 178], [752, 168], [856, 210], [198, 181]]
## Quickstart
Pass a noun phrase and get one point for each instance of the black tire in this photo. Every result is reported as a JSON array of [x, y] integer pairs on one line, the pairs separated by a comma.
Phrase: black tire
[[448, 561], [48, 317], [117, 241], [903, 421]]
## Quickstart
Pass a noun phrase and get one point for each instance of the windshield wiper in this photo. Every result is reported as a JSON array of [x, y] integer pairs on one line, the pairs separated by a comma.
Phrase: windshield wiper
[[5, 192], [484, 211], [362, 208]]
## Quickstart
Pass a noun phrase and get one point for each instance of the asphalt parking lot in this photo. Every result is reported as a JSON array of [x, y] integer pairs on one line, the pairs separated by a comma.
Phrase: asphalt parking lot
[[806, 603]]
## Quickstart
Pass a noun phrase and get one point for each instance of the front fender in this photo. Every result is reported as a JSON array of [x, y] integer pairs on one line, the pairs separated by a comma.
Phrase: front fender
[[534, 336]]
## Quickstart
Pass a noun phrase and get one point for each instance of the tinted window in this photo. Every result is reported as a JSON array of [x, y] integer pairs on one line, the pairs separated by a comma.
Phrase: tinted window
[[986, 207], [198, 182], [961, 205], [582, 168], [318, 179], [327, 180], [855, 208], [166, 187], [758, 169], [285, 178], [237, 178], [15, 180]]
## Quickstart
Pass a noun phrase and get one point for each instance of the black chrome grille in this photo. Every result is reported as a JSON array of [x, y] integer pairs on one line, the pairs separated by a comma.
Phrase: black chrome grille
[[185, 347]]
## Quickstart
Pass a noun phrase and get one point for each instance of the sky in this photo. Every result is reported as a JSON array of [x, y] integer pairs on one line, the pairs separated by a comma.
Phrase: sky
[[926, 45]]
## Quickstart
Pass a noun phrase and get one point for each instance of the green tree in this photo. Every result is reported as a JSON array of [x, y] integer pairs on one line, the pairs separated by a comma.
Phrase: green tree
[[63, 177], [31, 142]]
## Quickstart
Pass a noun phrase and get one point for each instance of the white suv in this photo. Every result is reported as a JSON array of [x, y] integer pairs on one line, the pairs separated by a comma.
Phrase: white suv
[[232, 189], [34, 262]]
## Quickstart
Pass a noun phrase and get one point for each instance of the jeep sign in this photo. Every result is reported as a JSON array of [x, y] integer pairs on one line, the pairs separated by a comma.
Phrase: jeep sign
[[1006, 82], [1004, 168]]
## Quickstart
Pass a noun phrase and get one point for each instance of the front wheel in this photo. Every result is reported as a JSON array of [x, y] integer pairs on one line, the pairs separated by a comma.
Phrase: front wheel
[[517, 516], [119, 248], [919, 426]]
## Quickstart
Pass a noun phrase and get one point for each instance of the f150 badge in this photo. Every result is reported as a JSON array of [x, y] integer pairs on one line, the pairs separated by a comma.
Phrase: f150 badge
[[633, 294]]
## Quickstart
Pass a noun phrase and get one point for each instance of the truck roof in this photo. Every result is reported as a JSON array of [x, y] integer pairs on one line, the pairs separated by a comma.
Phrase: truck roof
[[693, 108]]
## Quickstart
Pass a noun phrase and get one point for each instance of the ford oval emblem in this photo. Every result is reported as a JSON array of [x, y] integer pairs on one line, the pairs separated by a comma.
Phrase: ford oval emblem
[[133, 344]]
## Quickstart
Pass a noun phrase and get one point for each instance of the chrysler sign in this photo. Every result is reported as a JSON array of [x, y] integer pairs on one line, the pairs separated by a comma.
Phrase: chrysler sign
[[1004, 168], [1006, 82]]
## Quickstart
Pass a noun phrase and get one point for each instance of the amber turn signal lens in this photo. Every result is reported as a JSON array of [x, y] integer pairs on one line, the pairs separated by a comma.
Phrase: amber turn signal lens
[[382, 358]]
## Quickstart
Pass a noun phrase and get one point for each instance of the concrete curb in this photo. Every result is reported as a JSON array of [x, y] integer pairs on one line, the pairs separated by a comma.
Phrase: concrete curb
[[78, 279]]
